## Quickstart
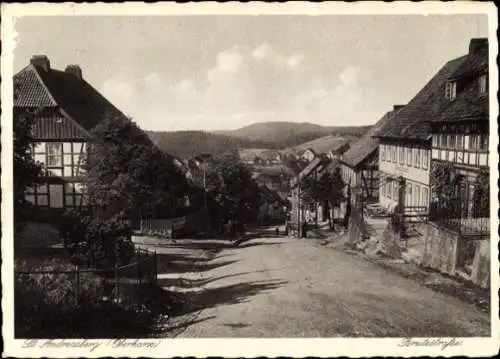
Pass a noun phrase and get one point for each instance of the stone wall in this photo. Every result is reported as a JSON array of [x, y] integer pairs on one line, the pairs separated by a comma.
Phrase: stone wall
[[481, 265], [440, 249]]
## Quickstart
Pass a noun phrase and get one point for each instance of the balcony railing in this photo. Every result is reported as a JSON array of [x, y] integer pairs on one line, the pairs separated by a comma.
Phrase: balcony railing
[[458, 215]]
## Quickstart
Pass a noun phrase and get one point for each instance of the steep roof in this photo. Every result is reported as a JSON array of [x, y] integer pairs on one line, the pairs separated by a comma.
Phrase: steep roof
[[330, 167], [66, 94], [317, 163], [468, 104], [368, 144], [322, 145], [411, 122]]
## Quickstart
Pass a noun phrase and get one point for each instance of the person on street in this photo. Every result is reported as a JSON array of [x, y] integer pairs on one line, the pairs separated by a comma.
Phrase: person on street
[[304, 229]]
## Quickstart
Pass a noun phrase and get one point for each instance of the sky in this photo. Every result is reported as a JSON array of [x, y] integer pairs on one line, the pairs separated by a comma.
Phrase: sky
[[224, 72]]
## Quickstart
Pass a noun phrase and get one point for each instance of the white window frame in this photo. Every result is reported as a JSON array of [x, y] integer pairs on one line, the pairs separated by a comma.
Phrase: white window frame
[[425, 159], [483, 84], [451, 90]]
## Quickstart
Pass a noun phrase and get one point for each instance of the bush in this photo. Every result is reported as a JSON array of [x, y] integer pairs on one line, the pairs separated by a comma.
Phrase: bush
[[97, 241], [110, 241], [47, 307]]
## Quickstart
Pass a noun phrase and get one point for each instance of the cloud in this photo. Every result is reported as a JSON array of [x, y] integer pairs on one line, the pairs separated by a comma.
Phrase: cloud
[[244, 85], [350, 75]]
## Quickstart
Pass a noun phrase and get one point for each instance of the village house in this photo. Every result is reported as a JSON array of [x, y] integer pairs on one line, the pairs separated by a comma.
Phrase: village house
[[405, 145], [308, 155], [460, 140], [67, 108], [460, 135], [337, 152], [274, 177], [302, 206], [360, 164]]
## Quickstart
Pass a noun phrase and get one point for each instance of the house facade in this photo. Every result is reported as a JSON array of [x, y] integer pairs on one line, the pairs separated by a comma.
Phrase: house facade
[[410, 160], [67, 108], [460, 143], [360, 164], [308, 155], [405, 145], [301, 204]]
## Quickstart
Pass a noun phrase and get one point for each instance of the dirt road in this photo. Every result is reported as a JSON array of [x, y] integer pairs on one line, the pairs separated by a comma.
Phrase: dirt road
[[284, 287]]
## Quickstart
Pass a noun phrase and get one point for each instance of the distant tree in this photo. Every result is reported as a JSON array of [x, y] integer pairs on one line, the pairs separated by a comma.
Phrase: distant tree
[[336, 195], [26, 170], [327, 190], [235, 194]]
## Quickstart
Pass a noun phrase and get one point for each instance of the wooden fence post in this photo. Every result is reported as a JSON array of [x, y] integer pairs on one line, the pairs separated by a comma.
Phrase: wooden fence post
[[155, 268], [139, 266], [77, 291], [117, 281]]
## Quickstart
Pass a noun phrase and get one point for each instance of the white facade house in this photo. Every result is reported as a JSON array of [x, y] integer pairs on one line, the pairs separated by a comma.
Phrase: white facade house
[[411, 162]]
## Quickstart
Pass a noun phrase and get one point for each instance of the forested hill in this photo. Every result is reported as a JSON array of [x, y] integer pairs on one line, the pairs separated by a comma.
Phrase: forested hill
[[289, 134], [186, 144], [269, 135]]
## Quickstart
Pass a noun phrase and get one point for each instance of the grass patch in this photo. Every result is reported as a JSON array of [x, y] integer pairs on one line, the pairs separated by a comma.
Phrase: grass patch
[[51, 306]]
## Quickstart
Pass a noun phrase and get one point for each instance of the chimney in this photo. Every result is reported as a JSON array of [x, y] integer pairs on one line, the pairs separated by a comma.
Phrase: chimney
[[477, 46], [40, 61], [75, 70], [398, 107]]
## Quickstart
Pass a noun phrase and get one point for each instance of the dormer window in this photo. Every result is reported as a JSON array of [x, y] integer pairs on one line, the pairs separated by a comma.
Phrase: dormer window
[[483, 84], [451, 90]]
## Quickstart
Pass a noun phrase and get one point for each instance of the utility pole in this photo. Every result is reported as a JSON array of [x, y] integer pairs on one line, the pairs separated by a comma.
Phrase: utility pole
[[299, 227], [204, 186], [402, 193]]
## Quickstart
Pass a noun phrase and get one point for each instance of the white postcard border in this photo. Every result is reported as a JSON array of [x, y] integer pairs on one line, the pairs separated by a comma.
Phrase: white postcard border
[[236, 347]]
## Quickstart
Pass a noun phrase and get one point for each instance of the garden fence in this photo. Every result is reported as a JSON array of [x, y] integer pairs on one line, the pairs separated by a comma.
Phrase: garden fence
[[194, 223], [119, 281]]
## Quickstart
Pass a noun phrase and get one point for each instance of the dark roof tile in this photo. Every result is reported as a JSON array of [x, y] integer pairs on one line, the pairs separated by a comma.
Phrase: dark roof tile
[[411, 122], [469, 104], [368, 144], [59, 89]]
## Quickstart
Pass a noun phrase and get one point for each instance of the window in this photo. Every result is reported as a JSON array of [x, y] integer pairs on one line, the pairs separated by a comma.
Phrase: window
[[451, 90], [408, 194], [416, 159], [416, 202], [452, 144], [483, 142], [61, 159], [473, 142], [425, 196], [382, 152], [56, 192], [410, 154], [434, 140], [425, 159], [401, 155], [444, 140], [483, 84], [460, 142], [73, 194], [394, 154], [38, 195]]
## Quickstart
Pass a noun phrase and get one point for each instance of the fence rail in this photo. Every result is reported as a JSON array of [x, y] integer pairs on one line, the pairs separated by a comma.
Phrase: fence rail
[[461, 217], [143, 270], [170, 227]]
